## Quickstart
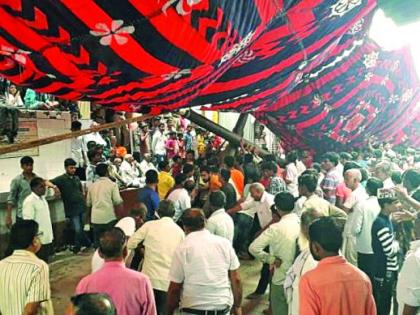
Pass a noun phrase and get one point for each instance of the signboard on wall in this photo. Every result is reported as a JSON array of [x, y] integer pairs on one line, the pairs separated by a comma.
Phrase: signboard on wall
[[28, 130]]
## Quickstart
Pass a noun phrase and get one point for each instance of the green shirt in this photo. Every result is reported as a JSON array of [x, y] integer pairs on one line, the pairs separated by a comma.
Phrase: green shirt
[[20, 188]]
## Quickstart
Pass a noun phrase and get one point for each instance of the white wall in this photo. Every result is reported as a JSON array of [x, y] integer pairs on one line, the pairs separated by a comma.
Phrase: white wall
[[49, 162]]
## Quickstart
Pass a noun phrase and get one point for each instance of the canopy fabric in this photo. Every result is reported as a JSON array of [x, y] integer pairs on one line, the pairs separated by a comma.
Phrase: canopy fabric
[[268, 57], [360, 93]]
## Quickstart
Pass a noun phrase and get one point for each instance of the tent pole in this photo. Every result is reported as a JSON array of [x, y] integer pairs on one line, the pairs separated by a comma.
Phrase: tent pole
[[233, 138]]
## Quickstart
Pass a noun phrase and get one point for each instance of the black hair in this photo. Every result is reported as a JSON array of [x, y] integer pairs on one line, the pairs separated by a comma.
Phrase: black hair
[[190, 152], [248, 158], [93, 304], [413, 176], [180, 178], [204, 168], [229, 161], [194, 219], [111, 242], [317, 167], [187, 168], [26, 160], [163, 164], [176, 158], [166, 208], [310, 181], [270, 166], [76, 125], [189, 185], [101, 169], [377, 153], [291, 157], [217, 199], [396, 177], [350, 165], [92, 153], [22, 234], [152, 177], [365, 174], [345, 156], [35, 182], [225, 174], [326, 232], [69, 162], [372, 186], [284, 201], [332, 157], [383, 201]]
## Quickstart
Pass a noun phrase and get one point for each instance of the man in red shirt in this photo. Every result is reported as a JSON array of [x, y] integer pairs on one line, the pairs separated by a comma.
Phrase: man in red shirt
[[334, 286]]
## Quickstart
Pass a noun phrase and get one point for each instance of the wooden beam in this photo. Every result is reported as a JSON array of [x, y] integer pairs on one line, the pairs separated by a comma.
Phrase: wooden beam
[[64, 136]]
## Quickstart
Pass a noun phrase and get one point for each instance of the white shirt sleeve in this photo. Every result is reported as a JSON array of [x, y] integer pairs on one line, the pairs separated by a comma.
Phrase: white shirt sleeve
[[137, 237], [356, 227]]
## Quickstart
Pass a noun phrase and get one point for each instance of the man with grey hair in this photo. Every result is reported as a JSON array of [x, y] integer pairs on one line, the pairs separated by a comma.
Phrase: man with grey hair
[[257, 205], [352, 179], [130, 171], [383, 171]]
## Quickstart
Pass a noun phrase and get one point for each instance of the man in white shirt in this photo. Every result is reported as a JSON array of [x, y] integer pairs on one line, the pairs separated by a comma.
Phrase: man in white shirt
[[204, 272], [104, 200], [24, 278], [158, 143], [78, 150], [219, 222], [128, 225], [408, 286], [281, 237], [129, 171], [352, 179], [364, 214], [94, 136], [180, 196], [146, 164], [383, 171], [35, 207], [160, 239], [259, 202]]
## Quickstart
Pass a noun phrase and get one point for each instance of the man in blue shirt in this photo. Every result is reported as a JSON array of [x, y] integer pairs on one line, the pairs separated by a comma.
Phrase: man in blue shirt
[[149, 196]]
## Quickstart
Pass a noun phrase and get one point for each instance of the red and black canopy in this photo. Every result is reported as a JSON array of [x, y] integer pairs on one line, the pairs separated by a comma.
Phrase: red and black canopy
[[287, 61]]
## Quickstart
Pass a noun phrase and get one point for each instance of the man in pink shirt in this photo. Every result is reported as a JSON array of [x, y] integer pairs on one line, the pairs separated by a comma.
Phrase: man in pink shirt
[[131, 291], [334, 286]]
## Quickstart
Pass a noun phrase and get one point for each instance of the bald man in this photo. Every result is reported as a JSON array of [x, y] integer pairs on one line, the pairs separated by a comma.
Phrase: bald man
[[352, 179], [205, 270]]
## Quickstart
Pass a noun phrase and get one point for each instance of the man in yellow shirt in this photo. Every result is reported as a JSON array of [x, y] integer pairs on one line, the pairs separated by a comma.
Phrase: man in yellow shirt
[[166, 181]]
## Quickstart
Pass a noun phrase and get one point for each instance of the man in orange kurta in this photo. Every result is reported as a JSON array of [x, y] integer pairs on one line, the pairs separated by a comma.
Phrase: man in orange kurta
[[334, 286]]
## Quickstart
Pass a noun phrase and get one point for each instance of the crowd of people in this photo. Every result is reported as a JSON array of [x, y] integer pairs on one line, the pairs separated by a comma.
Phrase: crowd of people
[[336, 233]]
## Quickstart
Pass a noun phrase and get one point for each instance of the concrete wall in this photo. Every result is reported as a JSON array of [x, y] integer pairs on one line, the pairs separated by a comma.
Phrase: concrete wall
[[48, 164]]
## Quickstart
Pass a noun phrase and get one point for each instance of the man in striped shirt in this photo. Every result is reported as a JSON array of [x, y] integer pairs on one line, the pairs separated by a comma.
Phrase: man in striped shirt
[[24, 279], [385, 249]]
